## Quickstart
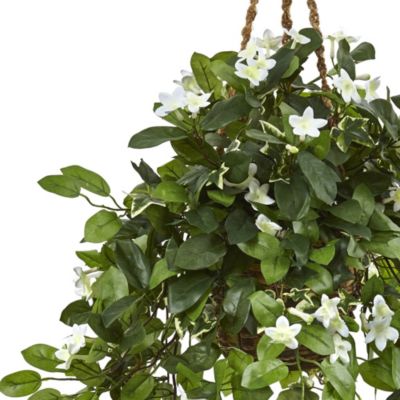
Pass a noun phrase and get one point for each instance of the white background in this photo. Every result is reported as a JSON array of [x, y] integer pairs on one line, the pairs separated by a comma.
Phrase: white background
[[77, 79]]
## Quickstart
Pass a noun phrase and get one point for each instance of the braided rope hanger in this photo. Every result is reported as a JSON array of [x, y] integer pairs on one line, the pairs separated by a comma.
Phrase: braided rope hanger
[[287, 24]]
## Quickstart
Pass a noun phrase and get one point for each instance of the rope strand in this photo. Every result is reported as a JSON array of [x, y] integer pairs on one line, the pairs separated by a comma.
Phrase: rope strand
[[250, 17], [287, 22]]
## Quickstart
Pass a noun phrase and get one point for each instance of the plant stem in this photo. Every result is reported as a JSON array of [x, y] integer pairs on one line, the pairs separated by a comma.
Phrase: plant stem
[[102, 206]]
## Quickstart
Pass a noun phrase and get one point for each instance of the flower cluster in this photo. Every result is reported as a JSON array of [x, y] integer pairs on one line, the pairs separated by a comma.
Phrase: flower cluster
[[71, 346]]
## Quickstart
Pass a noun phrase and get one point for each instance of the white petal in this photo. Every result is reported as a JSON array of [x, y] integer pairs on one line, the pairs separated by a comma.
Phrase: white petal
[[282, 322], [392, 334], [292, 344], [296, 328], [380, 343]]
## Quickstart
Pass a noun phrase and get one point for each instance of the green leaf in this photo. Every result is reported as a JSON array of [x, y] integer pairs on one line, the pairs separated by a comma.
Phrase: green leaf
[[139, 387], [221, 198], [205, 77], [317, 339], [47, 394], [367, 202], [41, 356], [315, 43], [201, 356], [155, 136], [321, 280], [349, 210], [170, 192], [227, 73], [115, 310], [146, 173], [378, 374], [102, 226], [319, 176], [186, 290], [387, 248], [283, 58], [300, 245], [93, 259], [340, 378], [87, 179], [203, 218], [265, 308], [323, 255], [380, 222], [200, 252], [268, 350], [363, 52], [160, 273], [371, 288], [345, 60], [237, 305], [226, 111], [275, 269], [77, 312], [20, 384], [293, 198], [133, 263], [262, 246], [297, 394], [110, 286], [62, 185], [264, 373], [396, 366], [240, 227]]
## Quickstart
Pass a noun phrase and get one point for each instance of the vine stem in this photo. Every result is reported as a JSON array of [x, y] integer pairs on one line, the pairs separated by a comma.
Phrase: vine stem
[[102, 206]]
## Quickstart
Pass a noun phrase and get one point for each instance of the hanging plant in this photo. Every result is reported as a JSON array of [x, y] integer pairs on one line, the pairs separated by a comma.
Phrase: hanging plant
[[257, 252]]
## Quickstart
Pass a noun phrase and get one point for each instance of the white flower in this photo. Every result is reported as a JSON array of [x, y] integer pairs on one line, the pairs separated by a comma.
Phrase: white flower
[[77, 340], [345, 85], [189, 82], [258, 194], [250, 51], [337, 37], [85, 280], [372, 270], [65, 355], [244, 184], [196, 101], [339, 326], [297, 37], [307, 318], [380, 332], [306, 125], [371, 88], [171, 102], [328, 310], [269, 41], [284, 333], [394, 195], [264, 224], [342, 348], [251, 72], [380, 309], [263, 62]]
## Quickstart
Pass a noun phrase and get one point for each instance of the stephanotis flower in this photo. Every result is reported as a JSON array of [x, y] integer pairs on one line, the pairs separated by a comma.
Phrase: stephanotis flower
[[307, 318], [263, 62], [381, 332], [337, 37], [346, 86], [371, 87], [250, 51], [189, 82], [342, 349], [258, 194], [328, 315], [394, 195], [372, 270], [196, 101], [71, 346], [284, 333], [85, 280], [264, 224], [269, 42], [171, 102], [297, 37], [306, 125], [380, 309], [251, 72]]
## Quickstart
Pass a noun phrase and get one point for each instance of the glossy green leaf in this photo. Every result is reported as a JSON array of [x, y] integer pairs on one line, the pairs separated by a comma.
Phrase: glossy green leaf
[[262, 246], [321, 280], [160, 273], [221, 198], [186, 290], [265, 308], [340, 378], [264, 373], [155, 136], [203, 218], [363, 52], [47, 394], [102, 226], [205, 77], [268, 350], [62, 185], [116, 309], [200, 252], [240, 227], [317, 339], [20, 384], [170, 192], [275, 268], [349, 210], [139, 387], [372, 287], [378, 375], [41, 356], [133, 263], [87, 179], [320, 177]]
